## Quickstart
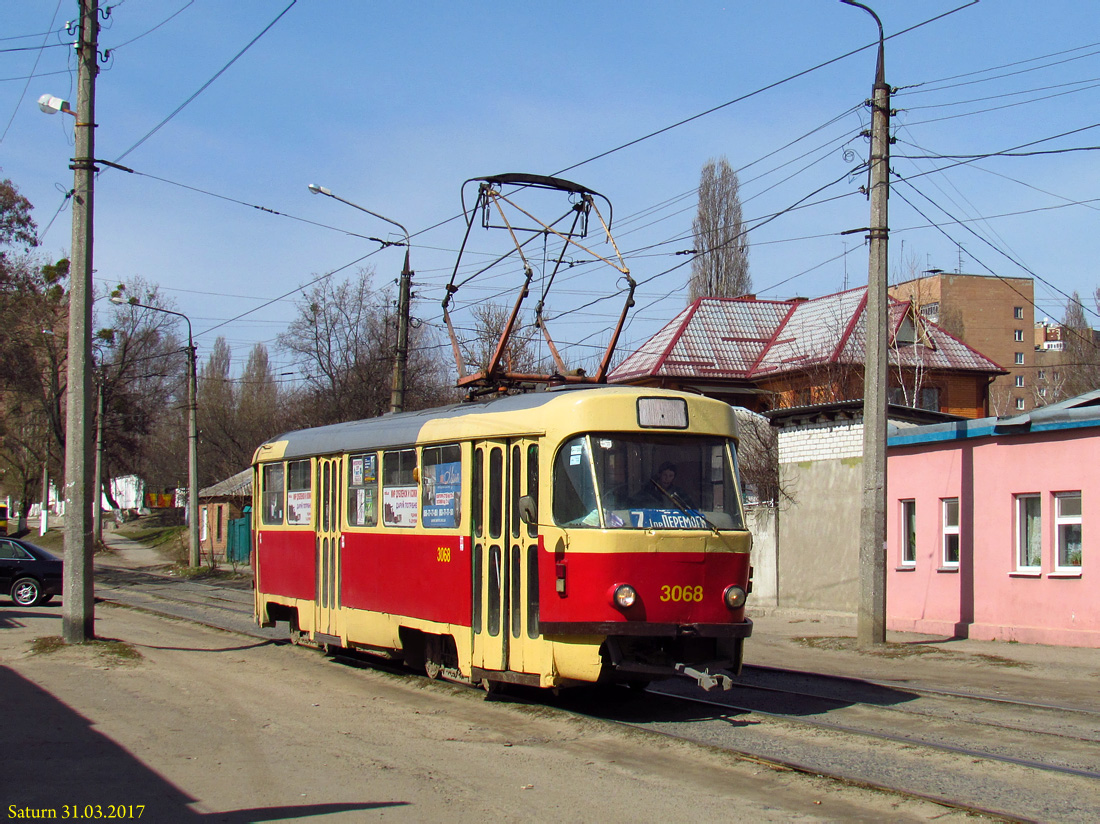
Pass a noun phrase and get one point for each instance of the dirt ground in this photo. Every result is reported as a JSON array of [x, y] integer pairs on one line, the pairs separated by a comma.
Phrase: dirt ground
[[197, 724]]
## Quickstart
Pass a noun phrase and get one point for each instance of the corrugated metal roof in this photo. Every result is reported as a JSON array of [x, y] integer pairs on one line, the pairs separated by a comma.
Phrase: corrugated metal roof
[[746, 339]]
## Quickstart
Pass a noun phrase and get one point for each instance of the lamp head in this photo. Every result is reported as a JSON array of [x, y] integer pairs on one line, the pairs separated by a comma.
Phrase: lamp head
[[319, 190], [52, 105]]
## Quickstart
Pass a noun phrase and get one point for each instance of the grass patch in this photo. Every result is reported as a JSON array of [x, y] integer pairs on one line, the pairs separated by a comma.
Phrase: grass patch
[[108, 648]]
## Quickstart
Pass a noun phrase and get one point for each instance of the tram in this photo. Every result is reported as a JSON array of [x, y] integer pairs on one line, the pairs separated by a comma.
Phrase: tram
[[574, 535]]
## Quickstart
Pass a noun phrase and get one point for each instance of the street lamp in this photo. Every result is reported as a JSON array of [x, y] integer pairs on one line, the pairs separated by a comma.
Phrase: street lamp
[[193, 557], [400, 361]]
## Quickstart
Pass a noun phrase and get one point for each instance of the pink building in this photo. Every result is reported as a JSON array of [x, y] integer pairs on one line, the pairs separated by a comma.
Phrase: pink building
[[986, 521]]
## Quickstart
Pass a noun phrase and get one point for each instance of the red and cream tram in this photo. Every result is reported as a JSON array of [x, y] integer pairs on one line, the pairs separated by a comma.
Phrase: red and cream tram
[[573, 535]]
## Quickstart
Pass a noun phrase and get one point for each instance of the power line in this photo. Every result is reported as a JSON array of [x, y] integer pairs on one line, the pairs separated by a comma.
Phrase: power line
[[207, 84]]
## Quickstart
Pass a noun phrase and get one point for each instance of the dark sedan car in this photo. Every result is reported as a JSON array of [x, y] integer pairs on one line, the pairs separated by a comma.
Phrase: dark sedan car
[[30, 574]]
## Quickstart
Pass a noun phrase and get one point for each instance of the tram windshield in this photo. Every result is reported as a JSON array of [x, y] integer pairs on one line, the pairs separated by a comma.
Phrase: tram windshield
[[647, 481]]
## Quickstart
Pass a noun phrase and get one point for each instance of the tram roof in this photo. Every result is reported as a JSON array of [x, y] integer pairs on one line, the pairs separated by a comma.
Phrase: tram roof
[[404, 428]]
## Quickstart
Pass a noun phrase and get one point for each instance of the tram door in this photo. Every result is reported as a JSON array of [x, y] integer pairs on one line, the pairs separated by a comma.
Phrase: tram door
[[328, 546], [505, 555]]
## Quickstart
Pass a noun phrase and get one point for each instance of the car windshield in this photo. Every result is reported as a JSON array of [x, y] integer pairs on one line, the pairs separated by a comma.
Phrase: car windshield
[[644, 481]]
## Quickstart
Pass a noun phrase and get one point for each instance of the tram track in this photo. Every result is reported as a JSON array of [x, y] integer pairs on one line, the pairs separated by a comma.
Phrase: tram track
[[965, 751]]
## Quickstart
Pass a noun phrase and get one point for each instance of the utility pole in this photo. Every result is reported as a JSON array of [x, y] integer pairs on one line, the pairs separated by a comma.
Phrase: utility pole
[[194, 557], [871, 624], [401, 357], [78, 617]]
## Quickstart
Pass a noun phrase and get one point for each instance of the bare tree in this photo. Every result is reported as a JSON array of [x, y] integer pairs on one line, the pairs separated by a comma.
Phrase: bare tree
[[1081, 359], [519, 352], [343, 342], [143, 371], [720, 267]]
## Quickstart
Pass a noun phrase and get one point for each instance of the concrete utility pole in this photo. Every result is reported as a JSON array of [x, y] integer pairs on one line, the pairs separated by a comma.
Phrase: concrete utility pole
[[401, 357], [78, 618], [871, 626]]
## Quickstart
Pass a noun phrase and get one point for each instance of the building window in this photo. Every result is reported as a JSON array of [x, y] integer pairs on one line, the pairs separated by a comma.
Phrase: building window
[[1019, 403], [1018, 335], [930, 398], [950, 532], [1020, 381], [1019, 358], [1018, 312], [931, 311], [1042, 374], [908, 533], [1067, 530], [1029, 547]]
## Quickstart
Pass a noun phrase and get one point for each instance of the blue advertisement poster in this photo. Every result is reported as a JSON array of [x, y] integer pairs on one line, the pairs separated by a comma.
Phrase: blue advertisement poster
[[442, 489]]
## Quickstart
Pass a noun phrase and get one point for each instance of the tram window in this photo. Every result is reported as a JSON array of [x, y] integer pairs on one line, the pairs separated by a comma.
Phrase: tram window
[[273, 494], [533, 591], [299, 498], [496, 489], [647, 481], [363, 490], [479, 492], [441, 487], [513, 491], [533, 486], [574, 492], [515, 581], [493, 617], [399, 489]]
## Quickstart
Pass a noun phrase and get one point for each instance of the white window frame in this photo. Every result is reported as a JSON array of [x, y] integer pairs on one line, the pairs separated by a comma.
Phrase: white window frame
[[1018, 335], [1022, 532], [950, 531], [1020, 403], [1020, 381], [1019, 358], [1062, 524], [907, 532], [1018, 312]]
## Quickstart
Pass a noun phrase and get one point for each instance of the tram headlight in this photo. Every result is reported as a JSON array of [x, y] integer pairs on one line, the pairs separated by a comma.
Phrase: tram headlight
[[735, 597], [623, 596]]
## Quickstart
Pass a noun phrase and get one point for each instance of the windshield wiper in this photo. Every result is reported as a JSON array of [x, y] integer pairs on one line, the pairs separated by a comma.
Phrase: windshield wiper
[[683, 506]]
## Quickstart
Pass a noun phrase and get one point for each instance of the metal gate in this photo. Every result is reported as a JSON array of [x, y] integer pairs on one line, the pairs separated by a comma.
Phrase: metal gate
[[239, 539]]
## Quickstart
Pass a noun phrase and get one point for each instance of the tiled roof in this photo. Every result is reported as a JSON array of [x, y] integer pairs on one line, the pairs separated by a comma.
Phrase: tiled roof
[[746, 339]]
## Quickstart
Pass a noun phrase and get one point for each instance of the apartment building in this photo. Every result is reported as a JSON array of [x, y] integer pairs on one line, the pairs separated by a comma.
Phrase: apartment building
[[994, 315]]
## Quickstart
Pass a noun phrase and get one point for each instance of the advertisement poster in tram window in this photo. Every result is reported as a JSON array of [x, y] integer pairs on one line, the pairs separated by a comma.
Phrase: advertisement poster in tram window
[[298, 507], [442, 495], [364, 469], [399, 504], [364, 506]]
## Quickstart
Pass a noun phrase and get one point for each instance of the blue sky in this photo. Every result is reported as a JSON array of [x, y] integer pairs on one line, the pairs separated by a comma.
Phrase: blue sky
[[393, 105]]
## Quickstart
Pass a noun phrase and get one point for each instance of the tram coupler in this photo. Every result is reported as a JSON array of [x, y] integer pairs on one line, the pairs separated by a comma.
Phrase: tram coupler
[[705, 679]]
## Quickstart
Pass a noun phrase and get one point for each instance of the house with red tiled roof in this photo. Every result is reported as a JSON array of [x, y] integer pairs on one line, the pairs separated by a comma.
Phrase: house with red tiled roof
[[773, 354]]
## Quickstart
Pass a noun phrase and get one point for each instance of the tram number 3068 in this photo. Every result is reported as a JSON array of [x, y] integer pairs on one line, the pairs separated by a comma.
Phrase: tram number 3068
[[681, 594]]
